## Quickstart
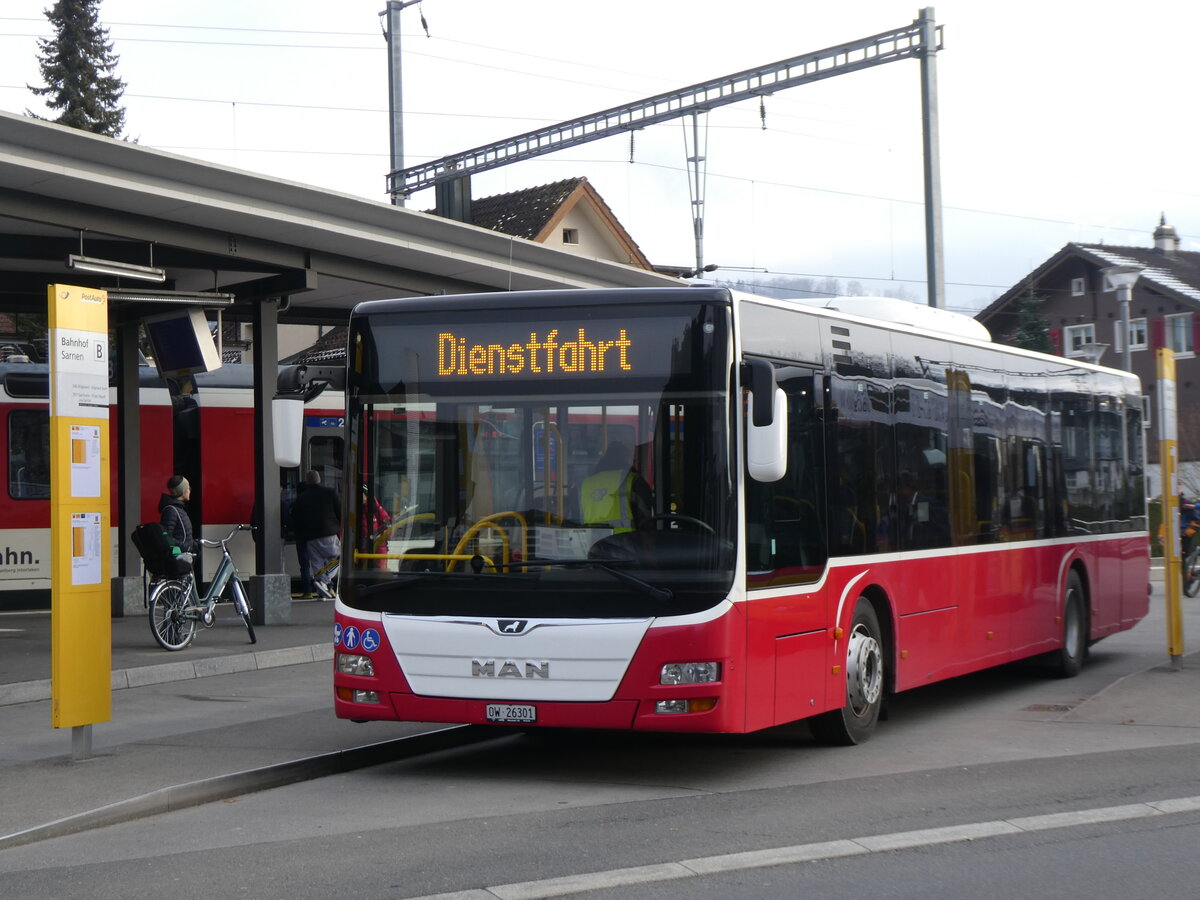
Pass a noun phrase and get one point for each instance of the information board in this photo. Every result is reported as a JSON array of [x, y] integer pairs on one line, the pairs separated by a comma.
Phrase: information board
[[81, 604]]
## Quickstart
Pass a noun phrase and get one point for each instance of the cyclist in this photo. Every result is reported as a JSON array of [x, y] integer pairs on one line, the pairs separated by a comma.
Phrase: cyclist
[[174, 518], [1189, 525]]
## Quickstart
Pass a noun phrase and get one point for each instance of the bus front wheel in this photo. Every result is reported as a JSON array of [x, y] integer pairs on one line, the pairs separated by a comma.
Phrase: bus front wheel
[[855, 722], [1068, 659]]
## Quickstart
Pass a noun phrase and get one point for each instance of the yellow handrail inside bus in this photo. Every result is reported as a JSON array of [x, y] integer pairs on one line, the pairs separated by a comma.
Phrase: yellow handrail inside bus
[[453, 557], [492, 523], [386, 532]]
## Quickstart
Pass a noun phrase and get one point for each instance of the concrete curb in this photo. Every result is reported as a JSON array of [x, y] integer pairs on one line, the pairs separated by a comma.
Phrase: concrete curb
[[235, 784], [184, 670]]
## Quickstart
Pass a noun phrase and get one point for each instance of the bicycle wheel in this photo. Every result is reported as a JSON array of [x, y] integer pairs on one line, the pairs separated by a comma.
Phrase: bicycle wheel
[[1191, 572], [242, 603], [172, 625]]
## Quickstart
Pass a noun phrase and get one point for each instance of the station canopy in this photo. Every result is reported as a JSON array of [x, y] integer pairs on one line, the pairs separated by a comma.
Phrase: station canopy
[[211, 228]]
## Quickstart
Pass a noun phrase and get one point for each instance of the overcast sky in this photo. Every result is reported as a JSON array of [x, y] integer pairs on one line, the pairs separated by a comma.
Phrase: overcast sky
[[1064, 120]]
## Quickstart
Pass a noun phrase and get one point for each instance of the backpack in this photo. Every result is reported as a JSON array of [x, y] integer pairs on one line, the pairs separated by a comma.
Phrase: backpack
[[160, 555]]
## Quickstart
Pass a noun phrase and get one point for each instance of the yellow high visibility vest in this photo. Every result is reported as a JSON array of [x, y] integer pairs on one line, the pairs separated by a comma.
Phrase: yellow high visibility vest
[[604, 499]]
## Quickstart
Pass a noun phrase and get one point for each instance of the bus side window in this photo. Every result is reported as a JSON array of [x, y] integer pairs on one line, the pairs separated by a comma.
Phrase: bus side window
[[784, 529]]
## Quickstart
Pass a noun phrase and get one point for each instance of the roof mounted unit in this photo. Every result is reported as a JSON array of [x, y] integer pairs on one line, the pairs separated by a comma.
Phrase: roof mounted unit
[[904, 312]]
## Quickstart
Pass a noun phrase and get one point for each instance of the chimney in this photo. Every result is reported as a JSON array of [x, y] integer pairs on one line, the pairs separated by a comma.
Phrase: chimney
[[1166, 241]]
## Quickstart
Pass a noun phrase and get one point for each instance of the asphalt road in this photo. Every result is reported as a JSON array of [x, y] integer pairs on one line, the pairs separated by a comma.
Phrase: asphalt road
[[1000, 784]]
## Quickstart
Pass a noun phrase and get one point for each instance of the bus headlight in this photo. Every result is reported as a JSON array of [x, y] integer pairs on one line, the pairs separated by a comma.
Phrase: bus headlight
[[354, 664], [690, 673], [353, 695], [700, 704]]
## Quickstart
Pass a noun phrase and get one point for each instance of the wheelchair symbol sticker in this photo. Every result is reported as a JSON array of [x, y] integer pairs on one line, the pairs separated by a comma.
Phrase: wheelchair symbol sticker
[[350, 638], [337, 633], [370, 640]]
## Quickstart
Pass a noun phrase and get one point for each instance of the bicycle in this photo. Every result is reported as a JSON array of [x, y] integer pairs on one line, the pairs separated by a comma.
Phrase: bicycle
[[1191, 572], [176, 606]]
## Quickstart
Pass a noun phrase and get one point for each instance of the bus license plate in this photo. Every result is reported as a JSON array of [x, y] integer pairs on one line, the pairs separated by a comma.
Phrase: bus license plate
[[510, 712]]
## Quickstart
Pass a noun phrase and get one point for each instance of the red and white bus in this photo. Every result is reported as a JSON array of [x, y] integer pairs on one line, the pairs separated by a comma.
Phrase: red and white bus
[[206, 433], [839, 505]]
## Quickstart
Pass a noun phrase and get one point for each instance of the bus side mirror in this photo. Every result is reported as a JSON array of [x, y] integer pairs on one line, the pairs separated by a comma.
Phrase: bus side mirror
[[287, 426], [766, 426]]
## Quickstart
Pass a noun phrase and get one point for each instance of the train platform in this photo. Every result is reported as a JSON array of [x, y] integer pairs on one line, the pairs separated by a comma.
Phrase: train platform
[[223, 718]]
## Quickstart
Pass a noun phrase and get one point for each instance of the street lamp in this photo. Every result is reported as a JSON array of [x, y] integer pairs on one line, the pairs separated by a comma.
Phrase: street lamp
[[1123, 279]]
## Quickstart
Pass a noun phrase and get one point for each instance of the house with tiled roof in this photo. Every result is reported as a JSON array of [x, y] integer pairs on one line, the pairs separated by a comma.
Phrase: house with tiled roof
[[1083, 314], [568, 214]]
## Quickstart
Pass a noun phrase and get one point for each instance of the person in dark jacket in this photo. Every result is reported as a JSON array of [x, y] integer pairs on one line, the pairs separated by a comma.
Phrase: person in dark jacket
[[173, 516], [317, 520]]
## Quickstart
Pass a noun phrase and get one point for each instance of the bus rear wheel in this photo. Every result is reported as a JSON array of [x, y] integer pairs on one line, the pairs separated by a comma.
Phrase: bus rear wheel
[[865, 659]]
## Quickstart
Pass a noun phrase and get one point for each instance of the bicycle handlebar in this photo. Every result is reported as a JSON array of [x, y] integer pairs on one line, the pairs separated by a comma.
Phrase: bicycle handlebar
[[220, 542]]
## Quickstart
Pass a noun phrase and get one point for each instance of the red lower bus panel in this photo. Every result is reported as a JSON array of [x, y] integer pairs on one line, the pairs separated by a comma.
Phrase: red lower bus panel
[[615, 714]]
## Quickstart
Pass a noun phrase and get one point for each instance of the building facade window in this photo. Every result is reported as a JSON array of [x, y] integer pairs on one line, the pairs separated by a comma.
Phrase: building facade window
[[1076, 336], [1137, 336], [1076, 287], [1177, 334], [570, 235]]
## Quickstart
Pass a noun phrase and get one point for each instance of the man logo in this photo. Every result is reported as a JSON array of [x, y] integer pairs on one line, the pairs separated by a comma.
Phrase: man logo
[[512, 626], [509, 668]]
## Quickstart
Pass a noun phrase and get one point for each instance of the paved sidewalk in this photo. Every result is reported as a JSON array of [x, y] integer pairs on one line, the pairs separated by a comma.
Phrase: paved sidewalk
[[137, 660], [162, 749]]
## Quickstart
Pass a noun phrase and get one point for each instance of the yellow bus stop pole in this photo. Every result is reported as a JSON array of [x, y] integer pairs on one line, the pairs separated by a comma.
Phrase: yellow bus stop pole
[[1168, 459], [80, 542]]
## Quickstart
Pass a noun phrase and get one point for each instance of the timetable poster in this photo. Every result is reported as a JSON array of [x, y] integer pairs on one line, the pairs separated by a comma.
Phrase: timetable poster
[[85, 461], [85, 548]]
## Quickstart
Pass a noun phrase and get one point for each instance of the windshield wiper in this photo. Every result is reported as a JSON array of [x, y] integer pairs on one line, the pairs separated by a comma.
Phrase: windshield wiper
[[653, 591], [661, 594]]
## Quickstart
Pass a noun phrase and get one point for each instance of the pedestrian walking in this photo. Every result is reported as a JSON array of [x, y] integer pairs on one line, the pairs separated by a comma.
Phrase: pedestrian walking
[[317, 521]]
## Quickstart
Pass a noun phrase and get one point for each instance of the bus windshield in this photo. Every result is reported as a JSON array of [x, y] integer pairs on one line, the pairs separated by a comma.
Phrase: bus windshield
[[548, 463]]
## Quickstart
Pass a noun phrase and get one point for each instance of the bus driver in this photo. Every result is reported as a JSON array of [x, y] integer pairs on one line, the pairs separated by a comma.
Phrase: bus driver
[[616, 495]]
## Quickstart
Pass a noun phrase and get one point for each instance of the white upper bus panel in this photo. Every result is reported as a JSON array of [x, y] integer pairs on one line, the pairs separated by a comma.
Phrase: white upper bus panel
[[906, 313]]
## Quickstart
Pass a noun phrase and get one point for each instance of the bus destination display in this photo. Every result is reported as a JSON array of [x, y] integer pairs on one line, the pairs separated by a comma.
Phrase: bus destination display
[[535, 356], [548, 349]]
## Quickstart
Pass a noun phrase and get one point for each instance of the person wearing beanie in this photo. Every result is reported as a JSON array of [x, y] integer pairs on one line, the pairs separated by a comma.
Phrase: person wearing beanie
[[174, 517]]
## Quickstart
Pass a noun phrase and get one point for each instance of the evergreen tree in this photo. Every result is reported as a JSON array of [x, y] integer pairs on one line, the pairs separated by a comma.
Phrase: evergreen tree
[[1033, 331], [78, 66]]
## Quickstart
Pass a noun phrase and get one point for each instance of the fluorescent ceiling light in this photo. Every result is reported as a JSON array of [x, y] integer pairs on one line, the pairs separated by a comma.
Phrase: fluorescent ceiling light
[[115, 267], [187, 298]]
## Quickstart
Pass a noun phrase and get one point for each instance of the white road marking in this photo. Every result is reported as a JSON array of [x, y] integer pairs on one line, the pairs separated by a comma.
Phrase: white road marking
[[800, 853]]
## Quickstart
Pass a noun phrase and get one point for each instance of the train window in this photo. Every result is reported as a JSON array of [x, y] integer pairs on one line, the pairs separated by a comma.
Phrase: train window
[[29, 454], [325, 455]]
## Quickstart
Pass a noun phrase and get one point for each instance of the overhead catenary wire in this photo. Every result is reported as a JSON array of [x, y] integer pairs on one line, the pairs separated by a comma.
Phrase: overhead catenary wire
[[367, 35]]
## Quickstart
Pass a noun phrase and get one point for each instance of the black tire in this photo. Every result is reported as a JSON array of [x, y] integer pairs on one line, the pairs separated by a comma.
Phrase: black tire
[[242, 603], [865, 680], [1067, 660], [173, 627], [249, 627], [1191, 572]]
